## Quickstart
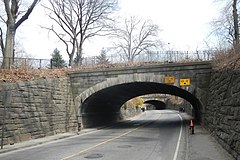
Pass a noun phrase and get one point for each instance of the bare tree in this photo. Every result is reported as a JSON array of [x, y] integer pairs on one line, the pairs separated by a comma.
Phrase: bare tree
[[79, 20], [135, 37], [13, 17], [235, 25], [226, 27]]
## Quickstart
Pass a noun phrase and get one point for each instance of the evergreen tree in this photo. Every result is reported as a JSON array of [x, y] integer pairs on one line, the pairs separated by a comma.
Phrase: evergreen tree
[[57, 60], [102, 58]]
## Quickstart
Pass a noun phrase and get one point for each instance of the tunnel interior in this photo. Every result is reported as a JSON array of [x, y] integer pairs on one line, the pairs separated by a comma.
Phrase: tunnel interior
[[159, 105], [104, 106]]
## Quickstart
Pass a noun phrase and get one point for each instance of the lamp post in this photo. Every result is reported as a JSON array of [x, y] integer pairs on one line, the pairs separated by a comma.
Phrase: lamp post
[[169, 52]]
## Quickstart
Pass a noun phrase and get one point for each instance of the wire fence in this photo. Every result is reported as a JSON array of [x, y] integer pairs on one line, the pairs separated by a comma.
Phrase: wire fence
[[153, 56]]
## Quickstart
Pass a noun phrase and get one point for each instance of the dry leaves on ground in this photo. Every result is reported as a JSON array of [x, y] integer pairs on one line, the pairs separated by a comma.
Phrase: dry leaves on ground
[[229, 60], [15, 75]]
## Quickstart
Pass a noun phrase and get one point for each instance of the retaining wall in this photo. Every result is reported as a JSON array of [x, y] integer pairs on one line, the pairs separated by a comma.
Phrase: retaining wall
[[222, 114], [36, 109]]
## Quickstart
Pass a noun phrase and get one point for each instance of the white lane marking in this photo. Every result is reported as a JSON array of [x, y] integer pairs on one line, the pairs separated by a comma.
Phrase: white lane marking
[[179, 139]]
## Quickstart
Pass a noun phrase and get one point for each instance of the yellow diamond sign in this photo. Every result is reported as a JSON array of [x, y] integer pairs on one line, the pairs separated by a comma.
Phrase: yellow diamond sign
[[185, 82]]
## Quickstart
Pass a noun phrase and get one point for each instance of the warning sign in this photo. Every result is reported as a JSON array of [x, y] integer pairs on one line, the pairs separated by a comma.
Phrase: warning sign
[[169, 80], [185, 82]]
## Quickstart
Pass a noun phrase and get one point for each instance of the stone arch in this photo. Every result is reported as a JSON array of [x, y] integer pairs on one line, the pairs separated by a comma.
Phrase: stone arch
[[104, 99]]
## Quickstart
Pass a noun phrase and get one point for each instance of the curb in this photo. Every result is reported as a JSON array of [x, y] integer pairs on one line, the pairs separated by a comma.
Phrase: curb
[[35, 142]]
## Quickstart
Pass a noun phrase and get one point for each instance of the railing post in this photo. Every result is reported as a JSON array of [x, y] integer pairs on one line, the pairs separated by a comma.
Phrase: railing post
[[9, 63], [40, 65], [25, 62], [51, 63]]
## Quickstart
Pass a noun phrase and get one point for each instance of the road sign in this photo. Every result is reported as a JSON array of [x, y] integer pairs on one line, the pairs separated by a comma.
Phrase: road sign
[[169, 80], [185, 82]]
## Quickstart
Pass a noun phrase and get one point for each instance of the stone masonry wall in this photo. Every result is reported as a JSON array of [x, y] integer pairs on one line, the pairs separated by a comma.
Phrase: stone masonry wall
[[222, 114], [36, 109], [127, 111], [185, 104]]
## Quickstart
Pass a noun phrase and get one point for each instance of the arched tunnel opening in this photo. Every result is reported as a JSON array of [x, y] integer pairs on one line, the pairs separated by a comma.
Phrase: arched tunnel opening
[[103, 106], [158, 105]]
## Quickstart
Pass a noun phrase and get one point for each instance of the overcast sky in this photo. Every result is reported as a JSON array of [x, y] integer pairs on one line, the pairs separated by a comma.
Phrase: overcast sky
[[184, 24]]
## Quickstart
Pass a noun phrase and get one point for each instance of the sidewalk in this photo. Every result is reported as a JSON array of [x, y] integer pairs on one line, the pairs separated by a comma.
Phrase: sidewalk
[[202, 146]]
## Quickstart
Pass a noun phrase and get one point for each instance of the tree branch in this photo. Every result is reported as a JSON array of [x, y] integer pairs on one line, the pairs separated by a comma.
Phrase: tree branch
[[79, 20], [136, 37], [61, 39], [1, 40], [7, 9], [26, 15]]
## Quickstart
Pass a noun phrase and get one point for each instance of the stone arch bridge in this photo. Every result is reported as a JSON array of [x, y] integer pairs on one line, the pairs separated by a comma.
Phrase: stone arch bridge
[[100, 93]]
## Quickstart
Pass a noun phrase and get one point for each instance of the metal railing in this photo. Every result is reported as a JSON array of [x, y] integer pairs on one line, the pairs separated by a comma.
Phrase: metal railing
[[156, 56], [26, 63], [152, 56]]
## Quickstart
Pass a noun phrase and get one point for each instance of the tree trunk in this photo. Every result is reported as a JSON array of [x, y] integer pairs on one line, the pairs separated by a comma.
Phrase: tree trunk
[[9, 48], [70, 62], [79, 54], [236, 27], [12, 12]]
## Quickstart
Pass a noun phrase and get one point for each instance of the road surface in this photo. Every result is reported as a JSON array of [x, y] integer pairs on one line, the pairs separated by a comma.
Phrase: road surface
[[154, 135]]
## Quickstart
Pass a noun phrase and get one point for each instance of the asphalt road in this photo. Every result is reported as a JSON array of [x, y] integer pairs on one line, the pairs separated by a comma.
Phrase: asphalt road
[[155, 135]]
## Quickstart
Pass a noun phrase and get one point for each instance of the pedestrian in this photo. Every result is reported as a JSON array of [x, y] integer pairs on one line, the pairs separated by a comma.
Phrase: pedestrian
[[180, 109], [191, 126]]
